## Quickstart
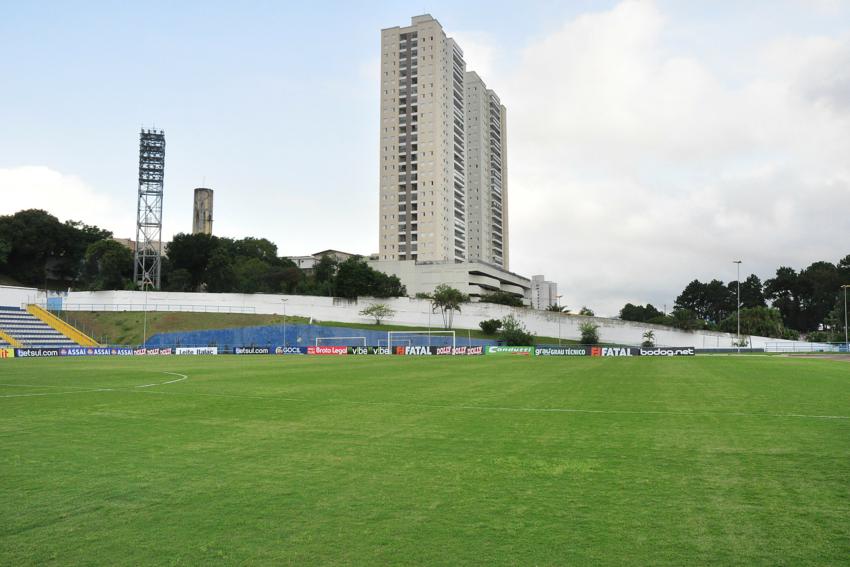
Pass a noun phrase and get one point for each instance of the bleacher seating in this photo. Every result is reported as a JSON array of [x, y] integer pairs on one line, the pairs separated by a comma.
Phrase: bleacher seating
[[30, 331]]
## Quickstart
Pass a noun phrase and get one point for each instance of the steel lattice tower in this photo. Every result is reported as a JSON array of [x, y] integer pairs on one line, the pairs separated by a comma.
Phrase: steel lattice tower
[[147, 267]]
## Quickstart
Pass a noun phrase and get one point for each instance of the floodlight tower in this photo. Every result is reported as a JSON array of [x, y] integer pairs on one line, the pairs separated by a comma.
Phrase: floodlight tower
[[147, 266]]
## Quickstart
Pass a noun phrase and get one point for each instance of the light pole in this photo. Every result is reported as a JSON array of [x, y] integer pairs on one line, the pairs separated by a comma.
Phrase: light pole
[[738, 303], [145, 318], [284, 321], [846, 342], [558, 303]]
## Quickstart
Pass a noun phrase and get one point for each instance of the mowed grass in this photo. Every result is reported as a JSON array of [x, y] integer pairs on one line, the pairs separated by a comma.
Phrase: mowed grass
[[431, 461]]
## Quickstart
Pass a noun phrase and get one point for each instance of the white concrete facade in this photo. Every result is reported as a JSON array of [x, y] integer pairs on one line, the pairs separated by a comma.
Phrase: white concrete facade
[[422, 210], [472, 278], [543, 293], [486, 173], [409, 311]]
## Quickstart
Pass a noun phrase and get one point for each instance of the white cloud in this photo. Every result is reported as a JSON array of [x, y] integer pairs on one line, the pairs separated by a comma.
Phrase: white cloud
[[479, 51], [65, 196], [634, 169]]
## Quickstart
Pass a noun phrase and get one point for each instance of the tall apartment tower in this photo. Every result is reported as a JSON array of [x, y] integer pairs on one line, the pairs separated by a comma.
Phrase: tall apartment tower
[[423, 209], [486, 173]]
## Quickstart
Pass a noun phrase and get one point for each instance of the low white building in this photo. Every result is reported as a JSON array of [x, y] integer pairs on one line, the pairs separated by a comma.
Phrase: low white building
[[472, 278], [543, 293]]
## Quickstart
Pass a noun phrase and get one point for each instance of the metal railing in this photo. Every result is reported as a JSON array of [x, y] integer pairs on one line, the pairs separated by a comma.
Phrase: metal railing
[[801, 346], [156, 307]]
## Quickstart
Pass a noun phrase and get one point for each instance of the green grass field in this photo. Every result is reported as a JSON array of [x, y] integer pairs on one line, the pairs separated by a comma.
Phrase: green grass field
[[431, 461]]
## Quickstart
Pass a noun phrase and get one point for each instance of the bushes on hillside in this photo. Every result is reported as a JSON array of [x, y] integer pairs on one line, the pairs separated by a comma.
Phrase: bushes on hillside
[[490, 326]]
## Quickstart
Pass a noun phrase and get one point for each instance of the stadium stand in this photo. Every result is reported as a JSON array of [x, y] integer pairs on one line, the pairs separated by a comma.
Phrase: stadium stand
[[19, 326]]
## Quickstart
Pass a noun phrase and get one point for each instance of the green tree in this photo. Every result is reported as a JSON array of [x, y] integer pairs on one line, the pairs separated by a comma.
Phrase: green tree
[[558, 308], [448, 300], [259, 248], [514, 333], [759, 321], [252, 275], [589, 333], [220, 275], [325, 269], [711, 301], [502, 298], [784, 293], [819, 286], [178, 280], [587, 312], [107, 265], [648, 338], [354, 278], [192, 252], [490, 326], [686, 320], [378, 311], [752, 292], [39, 247], [640, 313]]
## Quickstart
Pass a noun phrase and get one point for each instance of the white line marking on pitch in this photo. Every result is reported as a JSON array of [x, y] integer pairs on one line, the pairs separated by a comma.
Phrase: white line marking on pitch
[[57, 393], [82, 389], [43, 386], [182, 377]]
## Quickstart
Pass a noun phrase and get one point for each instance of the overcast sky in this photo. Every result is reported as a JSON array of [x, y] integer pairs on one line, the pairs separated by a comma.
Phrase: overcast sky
[[649, 143]]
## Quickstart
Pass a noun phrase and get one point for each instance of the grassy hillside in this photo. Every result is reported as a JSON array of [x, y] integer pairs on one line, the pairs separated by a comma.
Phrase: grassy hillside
[[125, 327]]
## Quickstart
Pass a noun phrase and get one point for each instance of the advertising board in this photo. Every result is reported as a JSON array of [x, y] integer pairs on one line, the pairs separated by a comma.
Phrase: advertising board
[[7, 353], [372, 350], [36, 352], [153, 352], [667, 351], [415, 350], [252, 350], [196, 350], [561, 351], [614, 351], [328, 350], [510, 350], [290, 350]]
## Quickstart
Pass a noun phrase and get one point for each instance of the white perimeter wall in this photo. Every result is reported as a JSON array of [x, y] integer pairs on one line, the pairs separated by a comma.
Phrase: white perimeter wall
[[408, 312]]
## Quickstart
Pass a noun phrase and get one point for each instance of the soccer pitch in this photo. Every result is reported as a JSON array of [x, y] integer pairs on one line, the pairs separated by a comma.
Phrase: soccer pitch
[[399, 460]]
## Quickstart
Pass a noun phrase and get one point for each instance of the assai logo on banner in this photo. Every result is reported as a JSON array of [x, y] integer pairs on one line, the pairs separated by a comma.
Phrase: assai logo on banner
[[120, 351], [511, 350], [560, 351], [7, 353], [332, 350], [668, 351]]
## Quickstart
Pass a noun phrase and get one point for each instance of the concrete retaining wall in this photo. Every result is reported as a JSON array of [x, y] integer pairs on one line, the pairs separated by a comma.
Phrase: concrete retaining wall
[[413, 312]]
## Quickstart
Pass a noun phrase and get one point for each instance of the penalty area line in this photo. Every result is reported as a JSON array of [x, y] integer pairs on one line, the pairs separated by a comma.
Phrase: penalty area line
[[57, 393], [182, 377], [83, 389]]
